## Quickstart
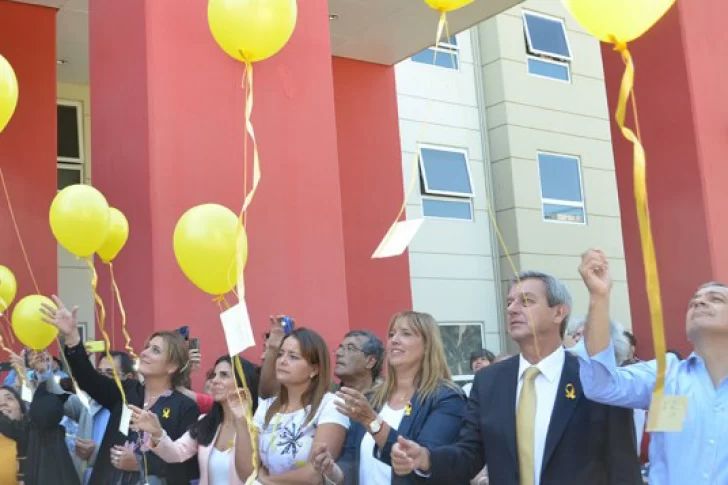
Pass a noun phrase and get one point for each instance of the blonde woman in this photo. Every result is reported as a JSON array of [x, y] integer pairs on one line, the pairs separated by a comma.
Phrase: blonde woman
[[417, 400]]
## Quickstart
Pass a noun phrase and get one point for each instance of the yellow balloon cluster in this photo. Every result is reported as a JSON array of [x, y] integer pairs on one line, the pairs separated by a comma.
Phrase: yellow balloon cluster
[[617, 21], [447, 5], [79, 218], [205, 243], [8, 288], [8, 92], [28, 324], [252, 30]]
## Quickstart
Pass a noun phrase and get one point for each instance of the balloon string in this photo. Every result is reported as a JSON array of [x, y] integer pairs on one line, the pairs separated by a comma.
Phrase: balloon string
[[112, 311], [248, 403], [649, 256], [17, 232], [102, 318], [124, 330], [9, 329]]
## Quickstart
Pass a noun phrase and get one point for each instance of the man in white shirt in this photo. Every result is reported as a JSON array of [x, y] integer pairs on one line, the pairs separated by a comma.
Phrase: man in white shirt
[[527, 418]]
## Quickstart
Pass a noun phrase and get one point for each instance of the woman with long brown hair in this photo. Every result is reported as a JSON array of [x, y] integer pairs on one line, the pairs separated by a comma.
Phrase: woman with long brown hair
[[417, 400], [292, 423]]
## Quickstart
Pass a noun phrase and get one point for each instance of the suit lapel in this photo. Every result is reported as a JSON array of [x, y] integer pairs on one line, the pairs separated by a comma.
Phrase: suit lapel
[[568, 396], [510, 384], [408, 419]]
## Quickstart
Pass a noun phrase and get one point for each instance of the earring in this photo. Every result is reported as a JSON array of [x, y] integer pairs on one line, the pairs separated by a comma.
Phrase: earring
[[312, 376]]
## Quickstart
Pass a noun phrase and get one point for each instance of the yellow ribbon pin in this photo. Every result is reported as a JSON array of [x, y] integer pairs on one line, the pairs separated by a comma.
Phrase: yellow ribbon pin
[[165, 413], [570, 391], [408, 409]]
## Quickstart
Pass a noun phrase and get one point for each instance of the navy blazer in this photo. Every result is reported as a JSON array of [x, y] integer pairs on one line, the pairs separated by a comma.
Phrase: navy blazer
[[586, 443], [432, 422]]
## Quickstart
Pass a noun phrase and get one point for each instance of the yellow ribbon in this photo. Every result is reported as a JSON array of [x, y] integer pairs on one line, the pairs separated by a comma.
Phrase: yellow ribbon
[[626, 91], [127, 337], [102, 325]]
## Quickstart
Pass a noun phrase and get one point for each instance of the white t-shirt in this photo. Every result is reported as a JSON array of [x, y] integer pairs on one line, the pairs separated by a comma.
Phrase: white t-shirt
[[371, 470], [467, 388], [219, 466], [285, 444]]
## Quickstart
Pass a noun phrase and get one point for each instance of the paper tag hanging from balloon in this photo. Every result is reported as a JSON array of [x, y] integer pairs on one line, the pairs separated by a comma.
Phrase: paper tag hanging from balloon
[[237, 328], [26, 394], [125, 420], [398, 238], [667, 413]]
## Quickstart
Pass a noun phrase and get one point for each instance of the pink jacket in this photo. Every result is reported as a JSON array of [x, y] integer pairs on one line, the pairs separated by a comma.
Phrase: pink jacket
[[185, 448]]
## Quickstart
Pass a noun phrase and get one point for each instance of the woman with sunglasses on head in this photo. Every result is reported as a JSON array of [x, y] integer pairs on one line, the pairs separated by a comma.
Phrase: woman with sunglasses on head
[[301, 415], [164, 364], [212, 437], [417, 400]]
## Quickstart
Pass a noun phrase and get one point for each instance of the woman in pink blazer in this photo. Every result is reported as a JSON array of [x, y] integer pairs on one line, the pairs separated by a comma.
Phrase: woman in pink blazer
[[212, 438]]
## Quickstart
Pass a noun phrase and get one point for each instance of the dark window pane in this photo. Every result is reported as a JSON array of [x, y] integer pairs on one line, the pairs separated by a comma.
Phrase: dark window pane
[[559, 177], [447, 209], [446, 171], [459, 342], [68, 146], [548, 69], [547, 36], [68, 176], [563, 213], [445, 58]]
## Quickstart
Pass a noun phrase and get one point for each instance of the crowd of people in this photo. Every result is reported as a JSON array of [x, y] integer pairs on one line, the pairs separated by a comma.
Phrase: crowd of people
[[569, 408]]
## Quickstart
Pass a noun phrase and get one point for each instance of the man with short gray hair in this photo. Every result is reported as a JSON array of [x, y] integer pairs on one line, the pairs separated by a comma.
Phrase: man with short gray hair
[[359, 360], [538, 428]]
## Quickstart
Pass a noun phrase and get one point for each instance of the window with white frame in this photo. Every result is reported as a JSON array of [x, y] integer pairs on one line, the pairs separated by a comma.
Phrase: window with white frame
[[445, 54], [460, 340], [547, 46], [562, 194], [447, 188], [70, 151]]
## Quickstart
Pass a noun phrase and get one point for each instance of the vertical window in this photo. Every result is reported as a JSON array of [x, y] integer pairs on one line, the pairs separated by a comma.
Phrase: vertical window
[[562, 195], [447, 189], [547, 46], [445, 54], [69, 124]]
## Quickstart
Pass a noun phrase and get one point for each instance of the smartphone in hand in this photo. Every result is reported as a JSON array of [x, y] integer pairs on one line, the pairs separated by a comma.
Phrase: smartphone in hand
[[194, 344], [95, 346], [287, 324]]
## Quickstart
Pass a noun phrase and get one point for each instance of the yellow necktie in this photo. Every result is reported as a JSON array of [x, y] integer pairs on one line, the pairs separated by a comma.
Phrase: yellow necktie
[[525, 419]]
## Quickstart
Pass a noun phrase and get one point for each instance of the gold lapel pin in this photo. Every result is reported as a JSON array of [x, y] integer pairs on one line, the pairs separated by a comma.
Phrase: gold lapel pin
[[165, 413], [570, 391]]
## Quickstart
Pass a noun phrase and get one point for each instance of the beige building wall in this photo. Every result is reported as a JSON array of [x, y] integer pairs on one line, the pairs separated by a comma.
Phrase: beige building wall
[[527, 114]]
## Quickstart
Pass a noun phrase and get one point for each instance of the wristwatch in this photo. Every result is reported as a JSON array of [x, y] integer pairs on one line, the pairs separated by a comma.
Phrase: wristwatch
[[376, 426]]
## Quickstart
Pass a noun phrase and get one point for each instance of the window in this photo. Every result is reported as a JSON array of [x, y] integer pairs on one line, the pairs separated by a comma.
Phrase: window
[[447, 190], [445, 54], [562, 197], [460, 340], [547, 46], [70, 131], [69, 174]]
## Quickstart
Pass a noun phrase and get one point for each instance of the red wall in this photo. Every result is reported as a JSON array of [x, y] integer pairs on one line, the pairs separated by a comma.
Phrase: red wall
[[28, 145], [370, 165], [679, 88], [168, 134]]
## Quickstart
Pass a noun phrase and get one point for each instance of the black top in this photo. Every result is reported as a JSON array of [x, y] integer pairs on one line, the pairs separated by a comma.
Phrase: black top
[[42, 451], [586, 442], [176, 413]]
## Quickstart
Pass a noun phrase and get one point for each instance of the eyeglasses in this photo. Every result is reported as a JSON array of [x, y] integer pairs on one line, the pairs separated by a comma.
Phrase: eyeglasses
[[349, 348]]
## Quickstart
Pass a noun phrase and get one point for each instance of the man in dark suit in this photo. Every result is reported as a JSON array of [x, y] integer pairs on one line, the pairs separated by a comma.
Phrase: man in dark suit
[[527, 419]]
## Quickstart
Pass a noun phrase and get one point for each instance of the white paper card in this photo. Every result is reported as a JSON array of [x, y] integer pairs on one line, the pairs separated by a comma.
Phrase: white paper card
[[26, 394], [125, 420], [398, 238], [237, 328]]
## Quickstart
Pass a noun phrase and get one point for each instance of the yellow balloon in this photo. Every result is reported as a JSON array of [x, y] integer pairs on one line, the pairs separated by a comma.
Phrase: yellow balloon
[[617, 20], [8, 92], [8, 288], [205, 247], [447, 5], [116, 237], [79, 218], [252, 30], [28, 325]]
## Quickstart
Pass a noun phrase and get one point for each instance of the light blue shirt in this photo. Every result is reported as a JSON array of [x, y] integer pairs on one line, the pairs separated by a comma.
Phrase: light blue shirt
[[696, 455]]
